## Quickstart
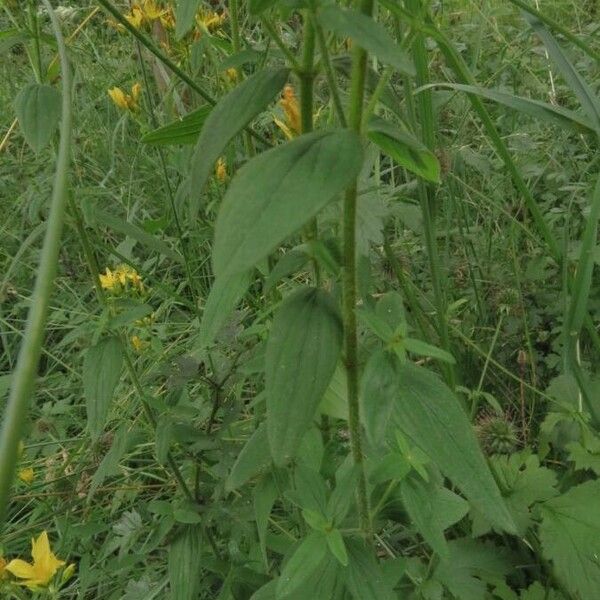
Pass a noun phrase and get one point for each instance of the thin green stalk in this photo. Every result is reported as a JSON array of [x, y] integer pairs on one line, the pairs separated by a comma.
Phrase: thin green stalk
[[151, 47], [270, 28], [36, 61], [182, 241], [349, 292], [329, 72], [94, 269], [25, 374]]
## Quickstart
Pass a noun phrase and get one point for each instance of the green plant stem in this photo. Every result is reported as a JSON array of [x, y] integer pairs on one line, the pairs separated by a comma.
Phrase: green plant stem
[[25, 374], [151, 47], [329, 72], [270, 28], [349, 292], [36, 62]]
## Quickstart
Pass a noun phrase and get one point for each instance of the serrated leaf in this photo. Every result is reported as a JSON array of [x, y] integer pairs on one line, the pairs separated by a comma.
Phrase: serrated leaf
[[405, 149], [570, 536], [38, 110], [228, 117], [430, 414], [101, 372], [277, 192], [184, 567], [368, 34], [303, 348], [183, 131]]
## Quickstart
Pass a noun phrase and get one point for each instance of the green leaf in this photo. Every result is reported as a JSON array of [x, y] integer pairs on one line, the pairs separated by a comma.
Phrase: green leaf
[[289, 263], [405, 149], [38, 111], [534, 108], [183, 131], [570, 536], [335, 399], [277, 192], [335, 541], [303, 566], [580, 88], [12, 37], [185, 14], [424, 349], [430, 414], [309, 491], [379, 394], [137, 233], [301, 356], [265, 494], [252, 460], [101, 372], [184, 568], [470, 567], [224, 295], [342, 497], [368, 34], [230, 115], [363, 575], [432, 508]]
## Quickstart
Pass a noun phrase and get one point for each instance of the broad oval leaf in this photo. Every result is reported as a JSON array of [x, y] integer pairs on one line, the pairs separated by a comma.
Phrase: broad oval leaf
[[230, 115], [363, 575], [38, 111], [277, 192], [302, 352], [183, 131], [405, 149], [101, 372], [368, 34], [430, 414]]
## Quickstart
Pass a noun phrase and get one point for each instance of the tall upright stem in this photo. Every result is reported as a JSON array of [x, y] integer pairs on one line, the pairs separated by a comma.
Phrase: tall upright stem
[[25, 374], [357, 93]]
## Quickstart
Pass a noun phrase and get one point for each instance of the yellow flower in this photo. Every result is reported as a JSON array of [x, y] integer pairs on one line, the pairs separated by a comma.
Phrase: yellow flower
[[44, 567], [210, 20], [136, 16], [26, 475], [109, 280], [152, 11], [221, 170], [139, 345], [291, 110], [231, 74], [126, 101]]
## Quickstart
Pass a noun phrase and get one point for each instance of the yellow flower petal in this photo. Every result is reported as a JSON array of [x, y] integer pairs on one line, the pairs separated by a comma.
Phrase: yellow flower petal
[[20, 568], [221, 170], [118, 96]]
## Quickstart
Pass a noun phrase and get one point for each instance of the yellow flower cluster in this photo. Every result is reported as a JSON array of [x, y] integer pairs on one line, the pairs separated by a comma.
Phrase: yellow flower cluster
[[38, 573], [289, 103], [26, 475], [148, 11], [126, 101], [122, 279], [209, 20]]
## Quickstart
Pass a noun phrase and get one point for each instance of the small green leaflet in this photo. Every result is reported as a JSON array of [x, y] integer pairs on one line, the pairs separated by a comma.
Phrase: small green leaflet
[[184, 569], [184, 16], [367, 33], [405, 149], [229, 116], [101, 372], [183, 131], [253, 459], [277, 192], [38, 111], [302, 353]]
